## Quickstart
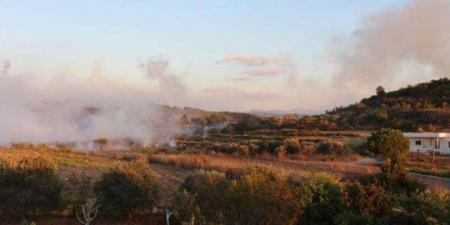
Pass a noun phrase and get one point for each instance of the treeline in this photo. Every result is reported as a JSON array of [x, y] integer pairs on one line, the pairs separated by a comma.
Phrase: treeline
[[291, 147]]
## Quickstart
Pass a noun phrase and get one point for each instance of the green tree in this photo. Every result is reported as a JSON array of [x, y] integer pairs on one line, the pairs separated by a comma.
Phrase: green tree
[[128, 189], [380, 91], [394, 148]]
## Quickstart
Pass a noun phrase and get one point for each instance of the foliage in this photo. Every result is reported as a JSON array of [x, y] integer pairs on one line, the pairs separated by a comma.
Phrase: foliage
[[30, 186], [425, 207], [269, 198], [127, 189], [332, 147], [423, 106], [380, 91], [322, 199], [292, 145], [394, 148]]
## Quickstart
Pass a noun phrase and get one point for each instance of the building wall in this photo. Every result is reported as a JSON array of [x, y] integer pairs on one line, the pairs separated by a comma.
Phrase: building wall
[[445, 145], [428, 144]]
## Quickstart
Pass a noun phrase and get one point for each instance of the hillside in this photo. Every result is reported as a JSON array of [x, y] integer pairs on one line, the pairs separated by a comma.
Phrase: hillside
[[424, 106]]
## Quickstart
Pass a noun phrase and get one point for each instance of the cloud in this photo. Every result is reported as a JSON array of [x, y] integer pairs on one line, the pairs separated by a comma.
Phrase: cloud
[[241, 78], [261, 66], [412, 34], [265, 72], [237, 98], [250, 60]]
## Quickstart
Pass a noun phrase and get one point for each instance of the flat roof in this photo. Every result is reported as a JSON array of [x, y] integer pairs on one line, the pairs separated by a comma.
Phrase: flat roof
[[427, 134]]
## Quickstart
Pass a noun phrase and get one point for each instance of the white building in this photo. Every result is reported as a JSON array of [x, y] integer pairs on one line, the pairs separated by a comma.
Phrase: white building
[[429, 141]]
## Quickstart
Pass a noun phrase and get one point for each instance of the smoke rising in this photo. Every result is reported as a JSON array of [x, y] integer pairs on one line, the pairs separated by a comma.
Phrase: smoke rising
[[6, 67], [415, 33], [170, 85], [61, 110]]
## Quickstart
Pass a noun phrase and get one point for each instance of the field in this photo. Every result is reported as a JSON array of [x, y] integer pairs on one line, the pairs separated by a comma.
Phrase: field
[[173, 165], [288, 152]]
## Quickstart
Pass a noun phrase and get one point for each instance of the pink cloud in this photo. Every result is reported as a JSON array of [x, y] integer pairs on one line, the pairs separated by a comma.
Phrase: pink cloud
[[250, 60]]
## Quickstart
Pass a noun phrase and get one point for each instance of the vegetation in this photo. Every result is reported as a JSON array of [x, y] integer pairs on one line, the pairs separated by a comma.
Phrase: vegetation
[[272, 198], [425, 106], [276, 191], [268, 198], [127, 189], [29, 186], [239, 168], [394, 148]]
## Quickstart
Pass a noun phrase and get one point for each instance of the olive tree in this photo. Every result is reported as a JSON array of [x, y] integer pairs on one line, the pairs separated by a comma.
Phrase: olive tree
[[394, 148]]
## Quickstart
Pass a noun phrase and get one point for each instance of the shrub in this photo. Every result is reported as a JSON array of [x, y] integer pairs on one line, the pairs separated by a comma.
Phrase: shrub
[[371, 199], [321, 199], [254, 149], [80, 188], [280, 151], [332, 147], [425, 207], [353, 218], [29, 187], [186, 209], [327, 200], [244, 151], [127, 189], [269, 146], [292, 145], [394, 148], [257, 197], [308, 148]]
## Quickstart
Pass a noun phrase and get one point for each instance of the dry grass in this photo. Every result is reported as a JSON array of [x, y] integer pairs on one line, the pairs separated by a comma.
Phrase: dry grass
[[230, 163], [425, 165]]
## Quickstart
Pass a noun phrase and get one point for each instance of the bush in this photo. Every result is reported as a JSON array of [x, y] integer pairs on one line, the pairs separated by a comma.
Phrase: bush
[[280, 151], [258, 197], [244, 151], [29, 187], [127, 189], [321, 199], [292, 145], [327, 200], [262, 197], [425, 207], [308, 148], [186, 209], [394, 148], [254, 149], [332, 147]]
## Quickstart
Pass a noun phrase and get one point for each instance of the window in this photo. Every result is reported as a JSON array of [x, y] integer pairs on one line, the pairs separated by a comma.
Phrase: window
[[418, 142]]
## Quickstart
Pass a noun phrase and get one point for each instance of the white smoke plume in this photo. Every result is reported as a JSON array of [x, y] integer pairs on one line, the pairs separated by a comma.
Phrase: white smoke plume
[[57, 110], [6, 67], [170, 85], [414, 34]]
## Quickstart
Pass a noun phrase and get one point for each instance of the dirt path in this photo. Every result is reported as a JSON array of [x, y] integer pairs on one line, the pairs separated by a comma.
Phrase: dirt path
[[433, 181]]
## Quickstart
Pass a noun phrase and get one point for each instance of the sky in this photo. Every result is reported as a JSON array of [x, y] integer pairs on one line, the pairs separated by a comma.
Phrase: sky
[[229, 55]]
